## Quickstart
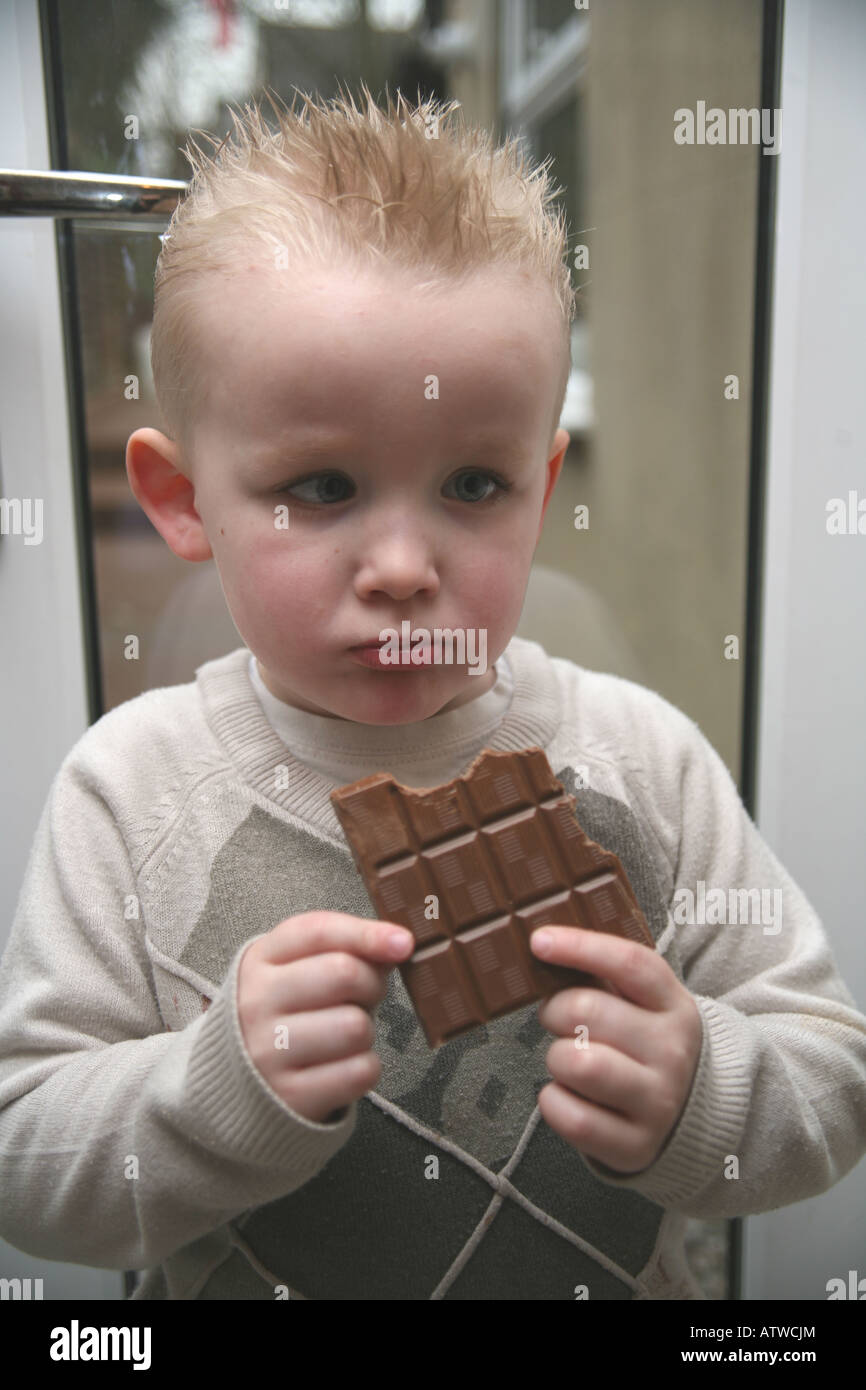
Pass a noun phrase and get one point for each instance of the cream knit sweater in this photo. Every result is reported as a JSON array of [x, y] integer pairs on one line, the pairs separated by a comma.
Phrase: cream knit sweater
[[135, 1132]]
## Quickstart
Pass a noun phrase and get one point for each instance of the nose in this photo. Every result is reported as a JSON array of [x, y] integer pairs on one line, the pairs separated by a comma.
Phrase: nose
[[397, 560]]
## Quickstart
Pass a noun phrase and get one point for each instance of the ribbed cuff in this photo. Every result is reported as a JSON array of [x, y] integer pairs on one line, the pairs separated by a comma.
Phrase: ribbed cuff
[[244, 1118], [712, 1123]]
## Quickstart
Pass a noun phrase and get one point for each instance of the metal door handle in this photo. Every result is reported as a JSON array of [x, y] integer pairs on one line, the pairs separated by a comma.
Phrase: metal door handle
[[106, 197]]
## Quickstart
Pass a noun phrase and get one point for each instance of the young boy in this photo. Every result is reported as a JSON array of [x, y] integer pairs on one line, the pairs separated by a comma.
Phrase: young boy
[[210, 1069]]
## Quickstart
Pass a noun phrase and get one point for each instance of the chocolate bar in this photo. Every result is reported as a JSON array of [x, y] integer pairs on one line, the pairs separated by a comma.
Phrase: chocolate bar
[[472, 868]]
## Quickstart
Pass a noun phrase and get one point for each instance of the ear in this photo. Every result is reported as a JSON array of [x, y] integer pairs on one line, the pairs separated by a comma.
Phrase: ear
[[163, 491], [561, 441]]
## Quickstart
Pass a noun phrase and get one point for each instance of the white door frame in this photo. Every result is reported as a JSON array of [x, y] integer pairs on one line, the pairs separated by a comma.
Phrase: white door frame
[[811, 752], [44, 707]]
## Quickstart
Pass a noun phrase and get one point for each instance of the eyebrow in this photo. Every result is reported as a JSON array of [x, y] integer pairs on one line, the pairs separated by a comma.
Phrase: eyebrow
[[333, 446], [312, 447]]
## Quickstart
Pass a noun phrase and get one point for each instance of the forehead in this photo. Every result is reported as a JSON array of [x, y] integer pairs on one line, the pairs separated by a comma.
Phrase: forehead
[[323, 338]]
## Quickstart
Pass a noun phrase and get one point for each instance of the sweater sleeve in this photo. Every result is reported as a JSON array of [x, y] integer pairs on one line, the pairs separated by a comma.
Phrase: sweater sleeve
[[777, 1107], [120, 1141]]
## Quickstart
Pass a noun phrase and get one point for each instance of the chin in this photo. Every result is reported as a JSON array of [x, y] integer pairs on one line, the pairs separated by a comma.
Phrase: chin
[[392, 707]]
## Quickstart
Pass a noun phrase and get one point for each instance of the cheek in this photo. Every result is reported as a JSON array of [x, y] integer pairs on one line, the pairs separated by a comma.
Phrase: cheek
[[502, 556], [492, 582], [274, 575]]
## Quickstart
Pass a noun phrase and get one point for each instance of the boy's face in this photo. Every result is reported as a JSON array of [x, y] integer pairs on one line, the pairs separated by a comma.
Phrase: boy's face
[[383, 420]]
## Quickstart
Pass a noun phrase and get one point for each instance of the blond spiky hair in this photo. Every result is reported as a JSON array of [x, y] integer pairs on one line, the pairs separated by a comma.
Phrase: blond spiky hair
[[392, 185]]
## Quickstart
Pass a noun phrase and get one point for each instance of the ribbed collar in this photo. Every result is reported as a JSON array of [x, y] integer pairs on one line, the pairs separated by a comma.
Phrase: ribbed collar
[[237, 720]]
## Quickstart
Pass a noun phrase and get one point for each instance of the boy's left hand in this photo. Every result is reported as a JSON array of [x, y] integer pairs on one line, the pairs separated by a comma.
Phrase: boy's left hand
[[619, 1096]]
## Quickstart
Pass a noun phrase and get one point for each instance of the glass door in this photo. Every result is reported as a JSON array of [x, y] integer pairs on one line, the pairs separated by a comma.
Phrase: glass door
[[667, 459]]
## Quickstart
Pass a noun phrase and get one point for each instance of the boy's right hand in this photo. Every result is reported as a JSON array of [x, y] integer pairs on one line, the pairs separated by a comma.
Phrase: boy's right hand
[[321, 974]]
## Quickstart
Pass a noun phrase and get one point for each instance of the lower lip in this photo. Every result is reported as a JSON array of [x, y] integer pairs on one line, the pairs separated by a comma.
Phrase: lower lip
[[369, 656]]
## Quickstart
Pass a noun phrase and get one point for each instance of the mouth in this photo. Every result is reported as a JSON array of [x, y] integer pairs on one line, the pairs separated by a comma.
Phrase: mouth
[[370, 654]]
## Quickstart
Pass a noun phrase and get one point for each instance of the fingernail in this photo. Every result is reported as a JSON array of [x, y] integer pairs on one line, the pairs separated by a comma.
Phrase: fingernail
[[398, 941], [542, 943]]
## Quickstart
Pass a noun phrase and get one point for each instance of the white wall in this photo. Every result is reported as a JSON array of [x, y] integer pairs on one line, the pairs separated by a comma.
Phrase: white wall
[[812, 750], [43, 702]]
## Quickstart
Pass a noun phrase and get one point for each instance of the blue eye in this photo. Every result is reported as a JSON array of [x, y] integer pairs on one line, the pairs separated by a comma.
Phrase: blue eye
[[322, 484], [498, 484], [324, 488]]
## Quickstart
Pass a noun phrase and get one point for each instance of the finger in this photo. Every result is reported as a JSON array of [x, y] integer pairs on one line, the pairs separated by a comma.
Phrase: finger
[[317, 1092], [589, 1015], [323, 1035], [640, 974], [598, 1133], [317, 982], [603, 1075], [313, 933]]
